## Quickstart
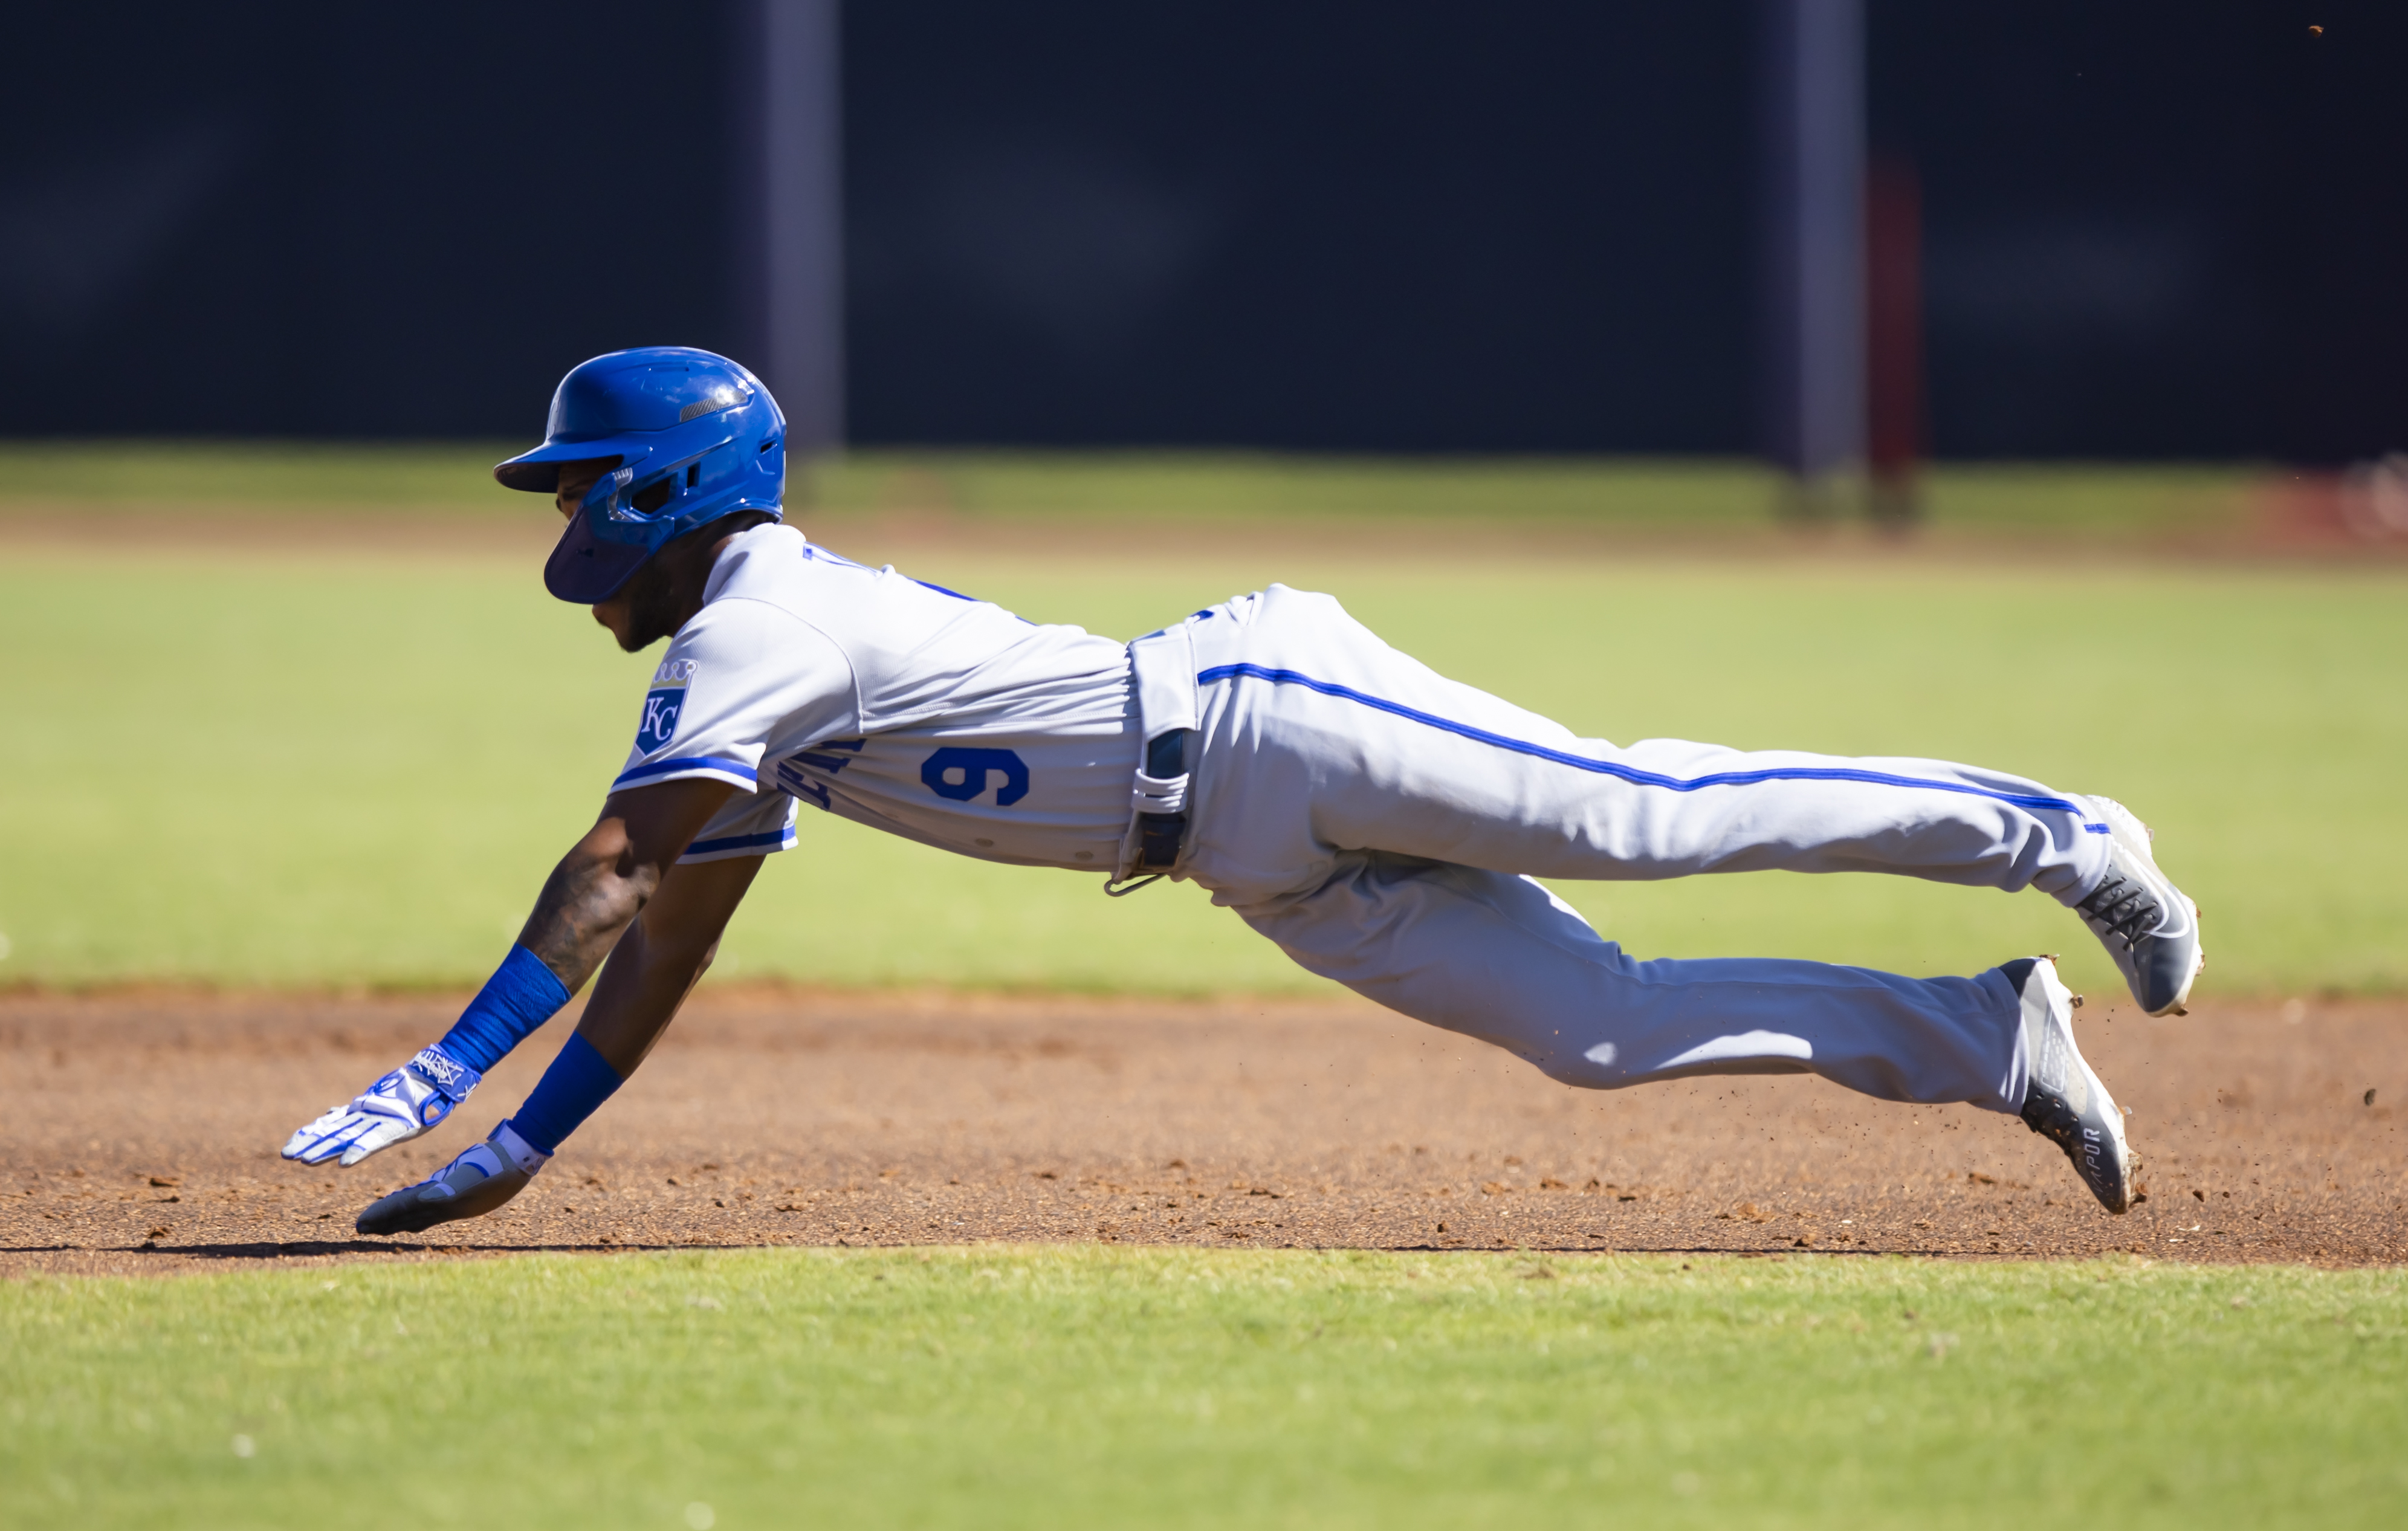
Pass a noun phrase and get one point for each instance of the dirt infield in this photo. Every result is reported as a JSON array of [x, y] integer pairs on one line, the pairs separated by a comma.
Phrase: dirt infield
[[140, 1135]]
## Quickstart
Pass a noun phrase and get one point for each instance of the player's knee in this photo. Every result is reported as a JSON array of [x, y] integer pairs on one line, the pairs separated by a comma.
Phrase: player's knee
[[1597, 1068]]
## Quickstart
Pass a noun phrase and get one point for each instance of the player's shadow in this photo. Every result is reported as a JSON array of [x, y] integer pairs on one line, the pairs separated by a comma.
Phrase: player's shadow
[[307, 1249], [267, 1251]]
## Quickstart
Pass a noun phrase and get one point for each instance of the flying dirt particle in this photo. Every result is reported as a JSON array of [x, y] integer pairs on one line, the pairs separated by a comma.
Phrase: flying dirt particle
[[2316, 31], [2370, 1097]]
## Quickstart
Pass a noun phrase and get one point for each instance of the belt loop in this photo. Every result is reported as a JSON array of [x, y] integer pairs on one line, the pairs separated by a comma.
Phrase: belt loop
[[1162, 675]]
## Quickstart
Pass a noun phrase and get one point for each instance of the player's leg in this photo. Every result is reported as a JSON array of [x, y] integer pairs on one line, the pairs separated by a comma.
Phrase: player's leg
[[1499, 958], [1319, 737]]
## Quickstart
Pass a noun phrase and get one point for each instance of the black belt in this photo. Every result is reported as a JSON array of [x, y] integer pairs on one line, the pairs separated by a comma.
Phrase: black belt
[[1159, 835]]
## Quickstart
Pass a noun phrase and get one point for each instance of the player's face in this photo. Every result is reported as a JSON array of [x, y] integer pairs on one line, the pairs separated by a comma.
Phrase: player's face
[[577, 481], [618, 614]]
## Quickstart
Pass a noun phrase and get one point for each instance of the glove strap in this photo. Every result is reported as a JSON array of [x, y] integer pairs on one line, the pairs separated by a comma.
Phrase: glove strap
[[452, 1080], [518, 1150]]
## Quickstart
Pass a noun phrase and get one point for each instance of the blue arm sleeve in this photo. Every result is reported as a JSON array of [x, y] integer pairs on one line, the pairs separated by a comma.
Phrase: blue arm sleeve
[[520, 996], [571, 1090]]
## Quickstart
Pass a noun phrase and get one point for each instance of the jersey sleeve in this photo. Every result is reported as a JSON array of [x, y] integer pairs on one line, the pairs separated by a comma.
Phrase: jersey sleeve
[[738, 675], [750, 824]]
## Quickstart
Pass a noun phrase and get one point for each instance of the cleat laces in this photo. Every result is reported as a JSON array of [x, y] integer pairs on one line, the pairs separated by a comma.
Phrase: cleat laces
[[2121, 907]]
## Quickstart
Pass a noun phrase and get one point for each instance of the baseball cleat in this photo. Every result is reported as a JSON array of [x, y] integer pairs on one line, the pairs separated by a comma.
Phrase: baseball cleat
[[471, 1185], [2065, 1102], [2147, 924]]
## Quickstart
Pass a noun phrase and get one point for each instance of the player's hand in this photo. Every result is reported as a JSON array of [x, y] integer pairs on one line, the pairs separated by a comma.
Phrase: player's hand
[[394, 1109], [471, 1185]]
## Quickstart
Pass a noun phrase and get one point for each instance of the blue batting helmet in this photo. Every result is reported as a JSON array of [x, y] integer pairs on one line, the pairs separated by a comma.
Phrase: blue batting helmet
[[693, 437]]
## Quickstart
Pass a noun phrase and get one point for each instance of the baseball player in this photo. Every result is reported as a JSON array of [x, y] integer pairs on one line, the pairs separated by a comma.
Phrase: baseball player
[[1384, 825]]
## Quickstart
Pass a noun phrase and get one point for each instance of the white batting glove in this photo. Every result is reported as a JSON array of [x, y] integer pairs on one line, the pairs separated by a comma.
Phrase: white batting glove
[[394, 1109]]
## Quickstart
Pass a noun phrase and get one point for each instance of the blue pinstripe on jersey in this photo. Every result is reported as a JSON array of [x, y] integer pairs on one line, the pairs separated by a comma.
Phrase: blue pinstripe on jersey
[[1628, 773], [685, 763]]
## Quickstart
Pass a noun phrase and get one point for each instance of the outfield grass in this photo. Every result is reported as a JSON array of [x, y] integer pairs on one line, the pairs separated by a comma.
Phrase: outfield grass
[[351, 769], [1097, 1386], [1690, 495]]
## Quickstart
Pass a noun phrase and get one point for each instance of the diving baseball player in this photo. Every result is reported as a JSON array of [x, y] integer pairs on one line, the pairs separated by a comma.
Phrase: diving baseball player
[[1385, 825]]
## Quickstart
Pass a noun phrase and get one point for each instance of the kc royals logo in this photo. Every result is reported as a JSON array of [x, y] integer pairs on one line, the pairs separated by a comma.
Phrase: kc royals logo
[[663, 704]]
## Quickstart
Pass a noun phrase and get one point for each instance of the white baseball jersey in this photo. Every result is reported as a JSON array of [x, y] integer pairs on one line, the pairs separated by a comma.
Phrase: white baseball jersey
[[807, 678]]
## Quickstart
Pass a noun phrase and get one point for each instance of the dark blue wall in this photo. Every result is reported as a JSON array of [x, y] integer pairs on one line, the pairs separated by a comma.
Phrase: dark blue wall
[[1353, 225], [313, 220], [2155, 227]]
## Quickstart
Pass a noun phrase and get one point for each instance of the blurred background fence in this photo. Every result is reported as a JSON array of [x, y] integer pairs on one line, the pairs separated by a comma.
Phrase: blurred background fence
[[2147, 229]]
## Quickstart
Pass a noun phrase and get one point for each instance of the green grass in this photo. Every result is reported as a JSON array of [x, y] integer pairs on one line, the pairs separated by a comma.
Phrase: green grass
[[97, 477], [1095, 1386], [339, 769], [1692, 496]]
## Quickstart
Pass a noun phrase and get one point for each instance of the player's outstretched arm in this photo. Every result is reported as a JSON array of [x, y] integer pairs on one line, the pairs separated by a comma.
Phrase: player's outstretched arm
[[592, 897], [649, 972]]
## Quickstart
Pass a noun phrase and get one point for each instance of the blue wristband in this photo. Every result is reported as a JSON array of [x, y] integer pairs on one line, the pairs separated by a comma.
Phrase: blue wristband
[[576, 1085], [520, 996]]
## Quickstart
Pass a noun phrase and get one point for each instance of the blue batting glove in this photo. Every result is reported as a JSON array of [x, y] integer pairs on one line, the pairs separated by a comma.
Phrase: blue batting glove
[[471, 1185], [394, 1109]]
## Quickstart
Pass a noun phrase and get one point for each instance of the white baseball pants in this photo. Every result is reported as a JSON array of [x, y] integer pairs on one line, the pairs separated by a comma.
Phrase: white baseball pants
[[1382, 824]]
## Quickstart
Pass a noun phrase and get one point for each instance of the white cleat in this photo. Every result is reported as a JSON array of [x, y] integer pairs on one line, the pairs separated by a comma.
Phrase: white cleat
[[2147, 924], [2065, 1102]]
